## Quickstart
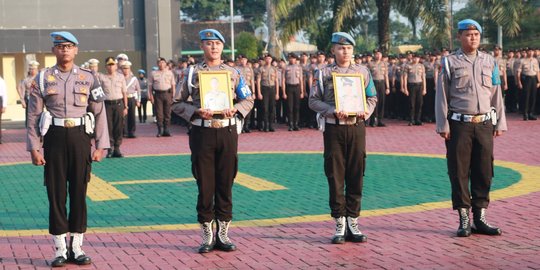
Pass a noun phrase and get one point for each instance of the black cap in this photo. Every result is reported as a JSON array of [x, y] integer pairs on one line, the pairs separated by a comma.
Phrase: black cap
[[497, 47], [292, 55], [358, 56], [376, 50], [241, 56], [161, 59], [321, 53]]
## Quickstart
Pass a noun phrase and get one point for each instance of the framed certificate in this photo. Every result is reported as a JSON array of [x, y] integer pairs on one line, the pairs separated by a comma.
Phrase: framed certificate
[[349, 93], [215, 90]]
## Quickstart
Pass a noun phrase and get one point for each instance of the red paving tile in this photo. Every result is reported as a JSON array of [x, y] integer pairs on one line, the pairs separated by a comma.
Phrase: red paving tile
[[422, 240]]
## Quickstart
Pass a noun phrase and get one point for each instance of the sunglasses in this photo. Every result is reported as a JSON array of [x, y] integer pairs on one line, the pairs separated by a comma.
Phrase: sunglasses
[[67, 46]]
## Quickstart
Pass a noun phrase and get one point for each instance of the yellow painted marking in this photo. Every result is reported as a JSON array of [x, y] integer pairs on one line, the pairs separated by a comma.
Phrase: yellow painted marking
[[100, 190], [139, 182], [529, 183], [255, 183]]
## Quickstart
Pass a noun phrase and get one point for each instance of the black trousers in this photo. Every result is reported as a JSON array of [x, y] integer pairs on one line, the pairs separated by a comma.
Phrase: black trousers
[[142, 110], [529, 94], [162, 103], [214, 161], [469, 154], [281, 108], [380, 86], [344, 165], [293, 104], [307, 115], [402, 102], [130, 126], [428, 108], [115, 122], [67, 152], [415, 101], [269, 105]]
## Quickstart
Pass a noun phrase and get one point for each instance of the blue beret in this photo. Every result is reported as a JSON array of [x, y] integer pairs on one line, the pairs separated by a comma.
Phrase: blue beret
[[211, 34], [343, 38], [469, 24], [63, 36], [141, 71]]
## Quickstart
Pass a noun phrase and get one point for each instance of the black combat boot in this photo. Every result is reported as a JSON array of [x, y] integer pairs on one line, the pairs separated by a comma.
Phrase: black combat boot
[[166, 132], [464, 229], [76, 253], [207, 244], [60, 252], [480, 224], [222, 238], [158, 132], [339, 236], [353, 232]]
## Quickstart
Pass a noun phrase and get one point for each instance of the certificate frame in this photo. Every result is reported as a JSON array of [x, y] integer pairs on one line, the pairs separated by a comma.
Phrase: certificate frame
[[349, 93], [215, 90]]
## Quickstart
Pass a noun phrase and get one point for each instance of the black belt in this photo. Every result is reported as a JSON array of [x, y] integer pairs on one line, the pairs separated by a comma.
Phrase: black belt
[[162, 91], [113, 102]]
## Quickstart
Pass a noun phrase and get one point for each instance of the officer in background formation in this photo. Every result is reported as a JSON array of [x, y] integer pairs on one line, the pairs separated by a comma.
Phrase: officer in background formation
[[160, 93], [414, 79], [3, 103], [511, 94], [267, 83], [293, 90], [25, 85], [468, 88], [143, 85], [133, 98], [344, 139], [431, 67], [528, 78], [68, 93], [379, 71], [249, 76], [114, 86], [93, 65], [213, 141], [501, 63]]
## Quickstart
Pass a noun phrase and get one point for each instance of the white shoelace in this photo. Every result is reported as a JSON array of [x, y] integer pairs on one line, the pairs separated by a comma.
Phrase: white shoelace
[[223, 232]]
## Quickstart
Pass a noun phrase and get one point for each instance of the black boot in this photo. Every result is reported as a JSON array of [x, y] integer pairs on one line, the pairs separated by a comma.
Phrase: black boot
[[222, 238], [339, 236], [464, 229], [353, 232], [76, 254], [158, 132], [166, 132], [532, 117], [480, 225], [109, 153], [207, 244], [116, 153]]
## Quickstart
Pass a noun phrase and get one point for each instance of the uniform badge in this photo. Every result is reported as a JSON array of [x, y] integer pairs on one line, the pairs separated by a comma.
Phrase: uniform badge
[[82, 77], [342, 40], [83, 90], [83, 99], [208, 34], [51, 91], [51, 78]]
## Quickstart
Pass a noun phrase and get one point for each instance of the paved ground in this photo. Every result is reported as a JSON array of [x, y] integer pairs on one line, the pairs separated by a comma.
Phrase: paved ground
[[416, 235]]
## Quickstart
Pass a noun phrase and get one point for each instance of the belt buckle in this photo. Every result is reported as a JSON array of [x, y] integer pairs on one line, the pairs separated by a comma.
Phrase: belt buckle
[[216, 123], [69, 123], [477, 119]]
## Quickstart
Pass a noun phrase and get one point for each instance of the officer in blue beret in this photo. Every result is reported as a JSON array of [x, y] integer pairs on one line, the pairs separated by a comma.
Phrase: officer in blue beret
[[344, 134], [72, 98], [470, 113], [213, 140]]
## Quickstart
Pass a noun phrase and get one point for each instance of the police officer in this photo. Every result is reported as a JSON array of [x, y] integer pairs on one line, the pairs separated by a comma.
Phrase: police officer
[[414, 79], [67, 92], [114, 86], [93, 65], [3, 102], [467, 89], [529, 72], [501, 63], [143, 84], [511, 95], [379, 71], [133, 98], [293, 85], [214, 143], [25, 85], [267, 82], [344, 139], [249, 76], [431, 66], [160, 87]]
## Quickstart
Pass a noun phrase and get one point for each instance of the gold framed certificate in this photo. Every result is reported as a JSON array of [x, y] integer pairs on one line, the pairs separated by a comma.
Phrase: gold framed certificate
[[349, 93], [215, 90]]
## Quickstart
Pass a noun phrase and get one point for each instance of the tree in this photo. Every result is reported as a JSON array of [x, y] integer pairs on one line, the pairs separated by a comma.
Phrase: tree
[[411, 10], [383, 17], [248, 45], [506, 13]]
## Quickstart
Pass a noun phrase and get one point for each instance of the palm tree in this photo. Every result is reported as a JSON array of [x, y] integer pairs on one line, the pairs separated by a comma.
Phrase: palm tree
[[411, 10], [506, 13]]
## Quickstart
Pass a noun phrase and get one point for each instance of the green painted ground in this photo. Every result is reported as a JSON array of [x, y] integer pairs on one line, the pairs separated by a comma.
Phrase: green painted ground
[[390, 181]]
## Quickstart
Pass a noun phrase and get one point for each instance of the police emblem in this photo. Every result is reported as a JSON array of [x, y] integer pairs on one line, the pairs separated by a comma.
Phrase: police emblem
[[82, 77], [471, 27], [208, 34], [83, 90], [342, 40], [51, 78], [83, 99]]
